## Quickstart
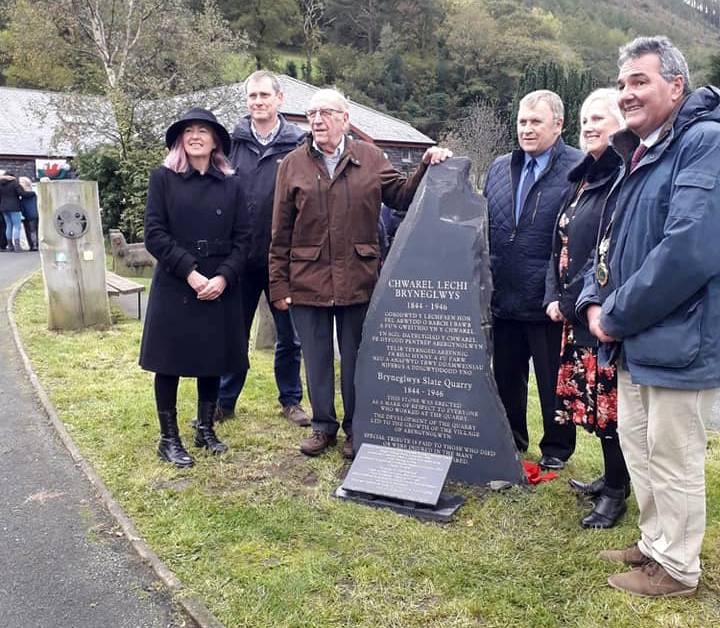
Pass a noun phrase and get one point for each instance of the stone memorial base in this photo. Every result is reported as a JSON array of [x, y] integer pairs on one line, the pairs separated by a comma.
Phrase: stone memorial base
[[443, 511]]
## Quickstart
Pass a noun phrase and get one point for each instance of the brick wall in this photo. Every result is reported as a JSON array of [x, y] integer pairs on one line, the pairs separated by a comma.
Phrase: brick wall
[[18, 167]]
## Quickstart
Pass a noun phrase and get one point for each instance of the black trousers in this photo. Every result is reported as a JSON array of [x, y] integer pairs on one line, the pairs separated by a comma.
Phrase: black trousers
[[515, 342], [315, 328]]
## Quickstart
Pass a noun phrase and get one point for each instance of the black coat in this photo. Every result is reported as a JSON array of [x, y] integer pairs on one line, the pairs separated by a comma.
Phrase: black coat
[[194, 220], [257, 166], [519, 252], [10, 193], [582, 232]]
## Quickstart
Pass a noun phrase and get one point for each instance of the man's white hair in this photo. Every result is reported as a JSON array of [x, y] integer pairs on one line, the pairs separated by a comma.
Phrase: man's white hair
[[334, 95]]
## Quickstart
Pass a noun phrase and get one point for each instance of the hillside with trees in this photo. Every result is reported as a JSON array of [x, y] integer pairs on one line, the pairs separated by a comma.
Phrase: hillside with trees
[[453, 68]]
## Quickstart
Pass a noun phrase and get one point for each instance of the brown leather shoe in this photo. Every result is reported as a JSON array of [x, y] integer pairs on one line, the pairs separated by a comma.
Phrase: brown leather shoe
[[347, 451], [316, 443], [631, 556], [651, 580], [296, 415]]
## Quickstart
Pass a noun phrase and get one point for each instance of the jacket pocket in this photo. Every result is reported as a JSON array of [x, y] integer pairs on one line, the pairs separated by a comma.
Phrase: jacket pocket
[[367, 250], [673, 343], [307, 253]]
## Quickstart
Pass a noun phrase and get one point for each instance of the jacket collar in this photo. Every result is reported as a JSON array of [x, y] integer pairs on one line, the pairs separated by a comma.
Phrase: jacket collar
[[289, 134], [517, 158], [349, 152], [702, 103], [596, 172], [212, 171]]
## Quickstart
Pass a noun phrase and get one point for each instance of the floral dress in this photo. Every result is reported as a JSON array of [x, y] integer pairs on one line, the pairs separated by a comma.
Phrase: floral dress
[[586, 392]]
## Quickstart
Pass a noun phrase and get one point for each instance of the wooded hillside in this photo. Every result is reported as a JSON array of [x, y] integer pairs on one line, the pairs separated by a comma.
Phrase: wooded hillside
[[426, 61]]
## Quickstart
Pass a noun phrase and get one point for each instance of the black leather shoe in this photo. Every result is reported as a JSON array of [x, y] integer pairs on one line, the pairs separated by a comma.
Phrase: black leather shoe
[[589, 489], [552, 463], [608, 509]]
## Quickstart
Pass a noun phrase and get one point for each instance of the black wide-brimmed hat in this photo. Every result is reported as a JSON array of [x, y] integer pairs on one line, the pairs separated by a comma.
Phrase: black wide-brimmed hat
[[198, 114]]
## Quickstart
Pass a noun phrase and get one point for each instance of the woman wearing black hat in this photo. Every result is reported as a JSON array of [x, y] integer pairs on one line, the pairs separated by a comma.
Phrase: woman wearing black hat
[[196, 226]]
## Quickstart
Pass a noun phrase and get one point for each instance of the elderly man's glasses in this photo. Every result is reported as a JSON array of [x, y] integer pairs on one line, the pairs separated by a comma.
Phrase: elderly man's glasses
[[325, 113]]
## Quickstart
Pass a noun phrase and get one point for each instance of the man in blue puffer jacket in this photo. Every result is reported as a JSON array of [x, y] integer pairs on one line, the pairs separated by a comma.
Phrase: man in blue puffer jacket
[[260, 141], [657, 276], [524, 190]]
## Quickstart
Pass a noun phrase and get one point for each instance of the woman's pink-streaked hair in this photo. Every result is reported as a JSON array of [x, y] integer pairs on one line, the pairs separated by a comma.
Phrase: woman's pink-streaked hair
[[177, 160]]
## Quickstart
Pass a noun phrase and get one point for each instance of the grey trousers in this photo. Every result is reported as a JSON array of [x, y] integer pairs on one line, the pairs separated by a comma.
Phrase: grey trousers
[[663, 438], [315, 328]]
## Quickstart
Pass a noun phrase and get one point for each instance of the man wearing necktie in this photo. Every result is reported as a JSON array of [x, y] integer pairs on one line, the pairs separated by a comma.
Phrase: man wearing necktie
[[658, 300], [524, 190]]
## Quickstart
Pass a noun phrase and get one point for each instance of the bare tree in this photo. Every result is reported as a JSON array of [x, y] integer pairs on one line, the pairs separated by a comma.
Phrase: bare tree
[[312, 12], [480, 134], [136, 53]]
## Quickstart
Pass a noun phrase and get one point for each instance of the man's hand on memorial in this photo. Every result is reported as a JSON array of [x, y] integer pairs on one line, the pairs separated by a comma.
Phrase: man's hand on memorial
[[436, 154], [197, 281], [593, 317], [213, 289], [282, 304], [553, 311]]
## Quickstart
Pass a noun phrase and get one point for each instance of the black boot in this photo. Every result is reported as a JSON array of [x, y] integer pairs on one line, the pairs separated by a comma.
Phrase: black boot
[[589, 489], [171, 448], [32, 234], [608, 509], [204, 432]]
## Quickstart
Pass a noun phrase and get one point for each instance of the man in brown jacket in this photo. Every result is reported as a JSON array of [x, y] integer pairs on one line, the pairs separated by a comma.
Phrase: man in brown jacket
[[324, 254]]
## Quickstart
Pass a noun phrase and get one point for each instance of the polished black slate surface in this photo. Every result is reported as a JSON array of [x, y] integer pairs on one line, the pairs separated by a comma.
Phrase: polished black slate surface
[[423, 377]]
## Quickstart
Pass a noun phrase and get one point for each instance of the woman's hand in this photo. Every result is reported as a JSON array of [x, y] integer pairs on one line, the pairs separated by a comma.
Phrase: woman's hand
[[197, 281], [553, 311], [213, 289]]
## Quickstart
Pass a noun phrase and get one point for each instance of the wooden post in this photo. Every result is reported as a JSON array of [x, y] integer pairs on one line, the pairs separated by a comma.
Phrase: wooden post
[[72, 254]]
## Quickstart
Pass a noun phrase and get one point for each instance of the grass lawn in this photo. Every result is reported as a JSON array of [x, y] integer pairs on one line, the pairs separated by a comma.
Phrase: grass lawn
[[257, 534]]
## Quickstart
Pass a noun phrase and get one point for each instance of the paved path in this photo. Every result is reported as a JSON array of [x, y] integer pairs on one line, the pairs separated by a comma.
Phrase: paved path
[[62, 563]]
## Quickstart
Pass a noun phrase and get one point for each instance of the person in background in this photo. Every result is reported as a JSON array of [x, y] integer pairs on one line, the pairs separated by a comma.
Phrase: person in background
[[325, 254], [259, 143], [654, 305], [524, 191], [3, 239], [586, 391], [196, 226], [28, 207], [10, 195]]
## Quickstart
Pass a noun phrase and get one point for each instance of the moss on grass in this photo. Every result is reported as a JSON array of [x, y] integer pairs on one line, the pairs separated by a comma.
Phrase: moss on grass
[[258, 536]]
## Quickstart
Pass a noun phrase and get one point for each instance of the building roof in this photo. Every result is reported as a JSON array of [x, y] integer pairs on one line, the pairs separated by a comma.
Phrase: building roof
[[228, 104], [31, 117]]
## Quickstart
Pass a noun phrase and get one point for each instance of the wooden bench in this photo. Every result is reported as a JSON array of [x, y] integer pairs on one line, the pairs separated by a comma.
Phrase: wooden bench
[[117, 285]]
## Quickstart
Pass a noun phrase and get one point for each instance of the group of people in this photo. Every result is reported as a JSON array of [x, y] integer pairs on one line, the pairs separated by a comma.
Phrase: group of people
[[18, 208], [601, 261], [623, 324]]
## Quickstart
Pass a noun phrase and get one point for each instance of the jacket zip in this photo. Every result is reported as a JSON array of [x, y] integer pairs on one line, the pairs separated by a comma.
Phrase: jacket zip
[[327, 214], [537, 202]]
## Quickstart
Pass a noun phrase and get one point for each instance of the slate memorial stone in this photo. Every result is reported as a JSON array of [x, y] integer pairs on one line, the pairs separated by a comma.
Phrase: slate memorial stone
[[414, 476], [423, 375]]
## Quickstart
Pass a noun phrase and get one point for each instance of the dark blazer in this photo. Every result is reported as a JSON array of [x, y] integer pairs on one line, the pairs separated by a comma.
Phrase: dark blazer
[[598, 177], [195, 221], [519, 252], [257, 166]]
